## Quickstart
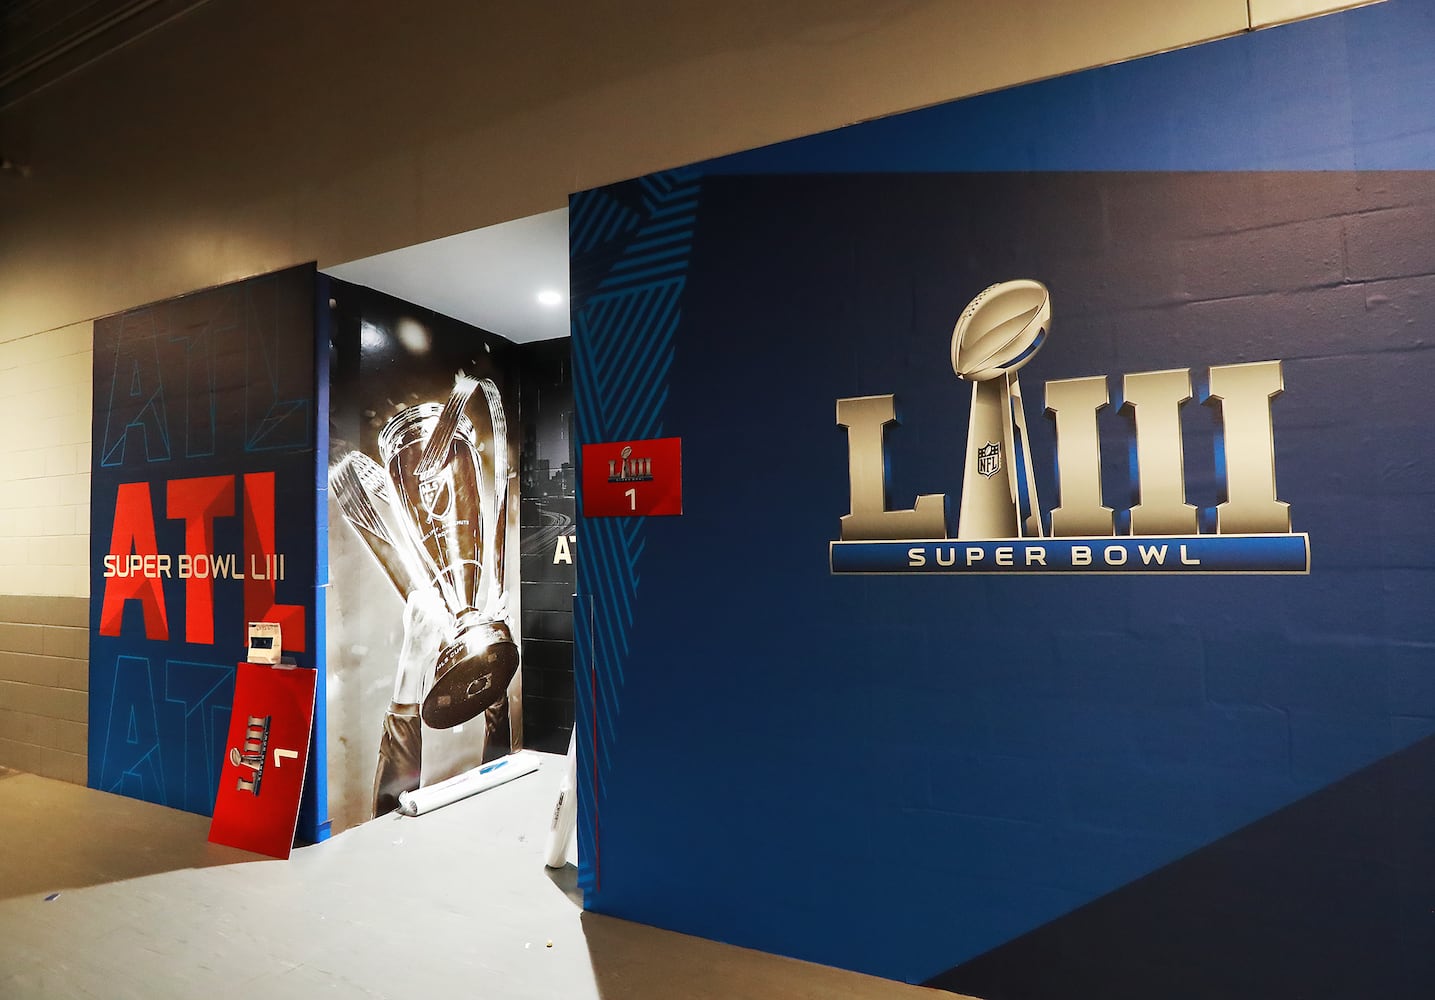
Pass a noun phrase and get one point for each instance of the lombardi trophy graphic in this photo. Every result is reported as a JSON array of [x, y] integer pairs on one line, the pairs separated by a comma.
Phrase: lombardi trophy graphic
[[999, 331], [456, 519], [434, 516]]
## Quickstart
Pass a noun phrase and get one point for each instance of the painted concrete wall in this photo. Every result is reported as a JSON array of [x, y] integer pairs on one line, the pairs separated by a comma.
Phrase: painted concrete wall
[[243, 138], [246, 137], [44, 531]]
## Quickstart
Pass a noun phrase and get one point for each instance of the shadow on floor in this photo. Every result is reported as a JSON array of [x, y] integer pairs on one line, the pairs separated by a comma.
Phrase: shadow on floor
[[463, 889], [1329, 898], [63, 836], [566, 878], [636, 962]]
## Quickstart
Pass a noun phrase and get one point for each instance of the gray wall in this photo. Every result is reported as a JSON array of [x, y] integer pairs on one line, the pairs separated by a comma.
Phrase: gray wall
[[517, 112], [44, 677], [44, 551], [375, 125]]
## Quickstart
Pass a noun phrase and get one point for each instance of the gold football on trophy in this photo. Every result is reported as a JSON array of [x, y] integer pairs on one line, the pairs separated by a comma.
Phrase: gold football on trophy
[[1001, 329]]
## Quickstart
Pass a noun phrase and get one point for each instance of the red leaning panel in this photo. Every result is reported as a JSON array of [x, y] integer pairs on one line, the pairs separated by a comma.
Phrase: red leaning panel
[[633, 478], [262, 778]]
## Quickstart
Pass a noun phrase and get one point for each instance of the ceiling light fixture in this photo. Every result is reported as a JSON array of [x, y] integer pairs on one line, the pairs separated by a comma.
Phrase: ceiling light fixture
[[549, 297]]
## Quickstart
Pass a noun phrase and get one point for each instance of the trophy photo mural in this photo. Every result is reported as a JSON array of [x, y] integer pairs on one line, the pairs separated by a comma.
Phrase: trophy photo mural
[[426, 599]]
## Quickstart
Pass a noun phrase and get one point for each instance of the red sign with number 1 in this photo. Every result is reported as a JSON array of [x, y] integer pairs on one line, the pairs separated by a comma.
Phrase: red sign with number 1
[[633, 478], [262, 778]]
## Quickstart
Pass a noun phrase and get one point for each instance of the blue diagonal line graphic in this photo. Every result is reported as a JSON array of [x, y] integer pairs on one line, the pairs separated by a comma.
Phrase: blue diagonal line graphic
[[664, 239], [683, 207], [681, 222], [646, 276], [613, 312], [653, 426], [629, 404], [585, 225], [663, 254], [624, 331], [636, 367]]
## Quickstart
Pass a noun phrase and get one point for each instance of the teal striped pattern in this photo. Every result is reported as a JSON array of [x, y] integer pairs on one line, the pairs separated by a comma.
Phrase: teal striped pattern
[[629, 246]]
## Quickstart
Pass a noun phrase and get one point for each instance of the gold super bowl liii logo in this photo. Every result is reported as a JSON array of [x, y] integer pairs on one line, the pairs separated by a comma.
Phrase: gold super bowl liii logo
[[999, 525], [252, 756], [627, 469]]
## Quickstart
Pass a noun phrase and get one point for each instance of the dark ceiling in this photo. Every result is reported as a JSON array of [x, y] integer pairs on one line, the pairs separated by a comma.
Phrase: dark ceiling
[[44, 40]]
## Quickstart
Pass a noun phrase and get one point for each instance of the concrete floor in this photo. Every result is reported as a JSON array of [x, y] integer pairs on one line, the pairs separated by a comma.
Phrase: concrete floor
[[453, 904]]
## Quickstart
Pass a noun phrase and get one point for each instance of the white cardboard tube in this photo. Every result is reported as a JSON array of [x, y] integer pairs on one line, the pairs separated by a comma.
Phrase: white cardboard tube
[[565, 812], [471, 782]]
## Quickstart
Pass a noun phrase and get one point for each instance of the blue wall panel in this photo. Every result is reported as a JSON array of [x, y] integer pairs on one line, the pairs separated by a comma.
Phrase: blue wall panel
[[945, 778], [204, 415]]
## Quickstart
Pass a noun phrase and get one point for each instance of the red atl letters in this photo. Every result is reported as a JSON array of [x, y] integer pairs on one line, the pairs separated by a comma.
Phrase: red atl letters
[[135, 569]]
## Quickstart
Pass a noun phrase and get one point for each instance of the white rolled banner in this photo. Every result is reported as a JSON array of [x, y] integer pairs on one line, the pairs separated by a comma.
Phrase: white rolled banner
[[471, 782], [565, 813]]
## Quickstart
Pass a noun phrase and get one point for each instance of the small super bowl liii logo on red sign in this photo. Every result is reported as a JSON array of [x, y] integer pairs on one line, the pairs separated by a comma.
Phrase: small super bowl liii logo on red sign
[[627, 469], [633, 478], [250, 758]]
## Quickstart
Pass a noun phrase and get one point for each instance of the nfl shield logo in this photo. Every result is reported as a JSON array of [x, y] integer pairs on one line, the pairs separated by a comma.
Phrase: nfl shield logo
[[989, 459]]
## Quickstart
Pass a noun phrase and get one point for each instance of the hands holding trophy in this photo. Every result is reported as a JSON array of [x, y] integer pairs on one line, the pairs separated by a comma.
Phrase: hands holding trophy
[[434, 516]]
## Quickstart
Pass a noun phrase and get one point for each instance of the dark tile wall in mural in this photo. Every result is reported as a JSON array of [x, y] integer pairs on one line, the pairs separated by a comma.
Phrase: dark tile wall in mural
[[547, 515]]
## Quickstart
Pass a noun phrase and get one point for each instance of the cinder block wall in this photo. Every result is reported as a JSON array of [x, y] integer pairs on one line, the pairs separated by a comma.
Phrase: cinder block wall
[[44, 542], [620, 90], [634, 90]]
